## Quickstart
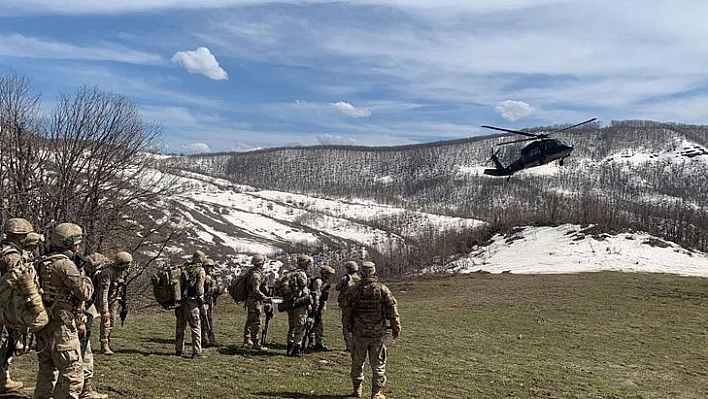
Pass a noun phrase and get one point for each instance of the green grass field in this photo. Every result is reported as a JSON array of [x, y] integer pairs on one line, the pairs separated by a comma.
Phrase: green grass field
[[598, 335]]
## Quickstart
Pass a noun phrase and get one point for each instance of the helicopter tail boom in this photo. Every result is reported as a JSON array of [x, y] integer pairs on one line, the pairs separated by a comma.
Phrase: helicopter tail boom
[[499, 169]]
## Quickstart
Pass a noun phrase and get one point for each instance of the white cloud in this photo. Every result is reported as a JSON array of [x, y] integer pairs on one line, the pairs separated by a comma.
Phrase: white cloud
[[201, 61], [512, 110], [330, 139], [196, 147], [350, 110], [17, 45]]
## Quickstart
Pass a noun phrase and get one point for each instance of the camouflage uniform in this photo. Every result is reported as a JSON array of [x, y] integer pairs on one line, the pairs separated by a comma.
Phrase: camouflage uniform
[[319, 288], [188, 312], [64, 289], [297, 317], [367, 305], [211, 291], [108, 296], [254, 304], [343, 285], [12, 255]]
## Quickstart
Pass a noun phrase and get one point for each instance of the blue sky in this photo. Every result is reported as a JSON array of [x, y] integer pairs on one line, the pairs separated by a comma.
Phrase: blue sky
[[222, 75]]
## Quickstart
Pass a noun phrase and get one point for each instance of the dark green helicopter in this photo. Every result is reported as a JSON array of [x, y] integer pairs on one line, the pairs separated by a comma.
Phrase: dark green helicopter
[[541, 151]]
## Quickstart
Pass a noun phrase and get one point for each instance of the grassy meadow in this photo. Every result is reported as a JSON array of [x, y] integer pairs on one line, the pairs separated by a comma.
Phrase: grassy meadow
[[595, 335]]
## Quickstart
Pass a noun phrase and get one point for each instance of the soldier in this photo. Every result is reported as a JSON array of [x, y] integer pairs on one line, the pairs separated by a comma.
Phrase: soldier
[[88, 269], [319, 287], [257, 295], [343, 285], [212, 290], [367, 305], [297, 317], [108, 296], [11, 254], [32, 246], [64, 289], [192, 304]]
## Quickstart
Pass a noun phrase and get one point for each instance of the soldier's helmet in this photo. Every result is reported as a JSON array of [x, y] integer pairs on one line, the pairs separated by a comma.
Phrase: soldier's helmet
[[95, 261], [198, 257], [368, 268], [123, 260], [258, 259], [327, 270], [18, 226], [32, 239], [209, 262], [351, 266], [304, 261], [66, 234]]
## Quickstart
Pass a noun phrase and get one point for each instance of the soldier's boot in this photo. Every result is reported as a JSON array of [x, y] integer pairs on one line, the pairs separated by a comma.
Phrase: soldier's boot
[[105, 348], [289, 351], [320, 347], [247, 343], [7, 384], [258, 346], [297, 351], [212, 340], [356, 392], [89, 393], [377, 393]]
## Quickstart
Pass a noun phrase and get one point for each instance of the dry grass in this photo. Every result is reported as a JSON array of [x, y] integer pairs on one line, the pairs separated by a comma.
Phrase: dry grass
[[599, 335]]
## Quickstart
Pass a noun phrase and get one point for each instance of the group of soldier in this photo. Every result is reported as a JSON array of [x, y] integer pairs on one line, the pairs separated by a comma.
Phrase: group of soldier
[[368, 308], [71, 300], [75, 289]]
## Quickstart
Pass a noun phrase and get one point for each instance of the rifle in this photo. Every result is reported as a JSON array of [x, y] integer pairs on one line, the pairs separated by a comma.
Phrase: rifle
[[269, 312], [123, 302], [84, 339], [7, 350], [204, 317]]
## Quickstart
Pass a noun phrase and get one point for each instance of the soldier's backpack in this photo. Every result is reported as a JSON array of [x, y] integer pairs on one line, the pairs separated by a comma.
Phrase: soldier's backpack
[[238, 289], [282, 287], [21, 299], [167, 286]]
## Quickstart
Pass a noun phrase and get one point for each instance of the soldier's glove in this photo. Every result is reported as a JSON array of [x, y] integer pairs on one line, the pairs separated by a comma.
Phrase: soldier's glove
[[200, 301]]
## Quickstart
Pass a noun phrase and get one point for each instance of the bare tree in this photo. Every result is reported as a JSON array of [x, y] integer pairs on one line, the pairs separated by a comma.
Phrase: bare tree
[[21, 155]]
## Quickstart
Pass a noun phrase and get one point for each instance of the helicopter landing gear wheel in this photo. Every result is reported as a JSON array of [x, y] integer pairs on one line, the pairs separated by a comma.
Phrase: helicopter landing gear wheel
[[561, 162]]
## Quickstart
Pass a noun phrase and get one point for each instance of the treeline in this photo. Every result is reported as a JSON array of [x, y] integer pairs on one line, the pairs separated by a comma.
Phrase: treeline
[[600, 184], [84, 161]]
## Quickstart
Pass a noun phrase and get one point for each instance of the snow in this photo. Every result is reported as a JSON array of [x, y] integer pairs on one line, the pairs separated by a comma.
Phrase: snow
[[251, 220], [566, 249]]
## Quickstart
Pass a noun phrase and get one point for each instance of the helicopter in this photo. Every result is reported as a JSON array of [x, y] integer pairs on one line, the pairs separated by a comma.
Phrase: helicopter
[[541, 151]]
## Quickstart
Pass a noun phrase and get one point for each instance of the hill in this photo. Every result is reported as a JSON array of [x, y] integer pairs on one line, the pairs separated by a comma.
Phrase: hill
[[627, 176]]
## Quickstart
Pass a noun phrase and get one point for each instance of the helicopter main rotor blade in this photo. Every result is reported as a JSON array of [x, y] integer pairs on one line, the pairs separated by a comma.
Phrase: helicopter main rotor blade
[[527, 134], [519, 140], [570, 127]]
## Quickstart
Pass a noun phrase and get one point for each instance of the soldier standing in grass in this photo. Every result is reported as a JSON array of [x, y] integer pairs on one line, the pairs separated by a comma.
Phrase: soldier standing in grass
[[343, 285], [297, 317], [319, 287], [367, 306], [254, 304], [212, 290], [109, 281], [188, 312], [11, 255], [64, 290]]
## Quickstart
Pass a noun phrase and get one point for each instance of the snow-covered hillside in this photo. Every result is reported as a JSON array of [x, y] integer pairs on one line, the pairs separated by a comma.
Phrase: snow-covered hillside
[[243, 219], [571, 249]]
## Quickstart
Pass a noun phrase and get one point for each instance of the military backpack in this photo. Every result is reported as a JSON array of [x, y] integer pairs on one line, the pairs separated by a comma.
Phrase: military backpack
[[238, 289], [167, 286], [21, 299]]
